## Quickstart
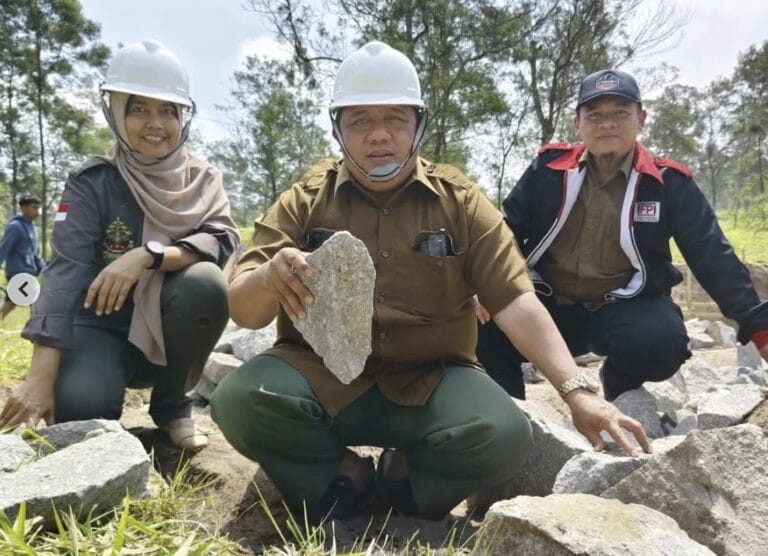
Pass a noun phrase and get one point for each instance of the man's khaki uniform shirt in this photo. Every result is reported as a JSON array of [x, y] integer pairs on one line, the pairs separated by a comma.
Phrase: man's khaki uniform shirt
[[423, 304], [586, 259]]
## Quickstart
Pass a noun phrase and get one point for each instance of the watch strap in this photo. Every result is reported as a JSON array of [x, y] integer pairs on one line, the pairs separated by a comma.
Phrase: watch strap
[[157, 258]]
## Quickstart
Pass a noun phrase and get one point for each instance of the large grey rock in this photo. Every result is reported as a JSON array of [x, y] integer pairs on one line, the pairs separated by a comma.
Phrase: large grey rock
[[681, 422], [728, 405], [250, 343], [741, 375], [641, 405], [671, 394], [531, 374], [700, 377], [98, 471], [594, 472], [722, 334], [14, 452], [714, 484], [220, 365], [338, 324], [700, 340], [224, 345], [61, 435], [696, 325], [749, 356], [568, 524]]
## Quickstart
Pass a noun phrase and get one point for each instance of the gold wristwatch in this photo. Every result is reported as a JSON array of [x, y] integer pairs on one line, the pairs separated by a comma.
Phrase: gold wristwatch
[[581, 380]]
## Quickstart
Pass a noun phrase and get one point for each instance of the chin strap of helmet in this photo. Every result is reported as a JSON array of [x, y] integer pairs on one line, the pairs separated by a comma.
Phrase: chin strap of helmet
[[136, 155], [387, 171]]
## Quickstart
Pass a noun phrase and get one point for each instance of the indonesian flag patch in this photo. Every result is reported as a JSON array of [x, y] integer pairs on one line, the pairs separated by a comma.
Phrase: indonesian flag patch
[[647, 211], [61, 213]]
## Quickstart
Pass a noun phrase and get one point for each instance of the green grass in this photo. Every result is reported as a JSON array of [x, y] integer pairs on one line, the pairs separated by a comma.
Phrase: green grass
[[162, 524], [168, 523], [246, 234], [15, 352], [750, 245]]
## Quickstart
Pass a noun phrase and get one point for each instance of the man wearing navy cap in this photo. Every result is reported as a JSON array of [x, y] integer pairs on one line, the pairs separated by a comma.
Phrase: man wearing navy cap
[[594, 222]]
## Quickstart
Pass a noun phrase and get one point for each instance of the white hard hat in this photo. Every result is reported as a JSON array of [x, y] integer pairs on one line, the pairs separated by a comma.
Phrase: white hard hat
[[376, 73], [149, 69]]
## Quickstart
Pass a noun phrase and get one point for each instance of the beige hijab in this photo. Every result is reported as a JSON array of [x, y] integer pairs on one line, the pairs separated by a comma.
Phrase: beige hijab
[[177, 195]]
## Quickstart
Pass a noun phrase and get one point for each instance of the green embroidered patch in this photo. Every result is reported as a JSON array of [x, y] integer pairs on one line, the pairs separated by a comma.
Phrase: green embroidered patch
[[119, 240]]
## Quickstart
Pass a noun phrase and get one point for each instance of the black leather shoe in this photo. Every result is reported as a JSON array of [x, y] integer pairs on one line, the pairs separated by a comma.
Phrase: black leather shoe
[[394, 494], [341, 500]]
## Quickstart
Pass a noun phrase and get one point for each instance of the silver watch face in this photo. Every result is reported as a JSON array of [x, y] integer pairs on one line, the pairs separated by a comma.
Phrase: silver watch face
[[155, 247]]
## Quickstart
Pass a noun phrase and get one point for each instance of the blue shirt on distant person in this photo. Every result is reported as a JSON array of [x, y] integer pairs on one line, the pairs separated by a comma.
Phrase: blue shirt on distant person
[[19, 248]]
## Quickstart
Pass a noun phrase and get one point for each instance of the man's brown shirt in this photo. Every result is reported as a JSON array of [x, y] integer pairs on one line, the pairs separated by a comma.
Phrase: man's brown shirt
[[423, 305]]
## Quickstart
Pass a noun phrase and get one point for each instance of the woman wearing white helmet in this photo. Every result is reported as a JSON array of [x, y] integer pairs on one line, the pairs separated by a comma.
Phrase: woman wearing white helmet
[[134, 294]]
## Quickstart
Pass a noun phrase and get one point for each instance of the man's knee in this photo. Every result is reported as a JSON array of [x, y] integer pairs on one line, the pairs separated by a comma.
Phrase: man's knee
[[511, 444], [234, 397], [493, 445], [653, 355], [646, 338], [265, 389]]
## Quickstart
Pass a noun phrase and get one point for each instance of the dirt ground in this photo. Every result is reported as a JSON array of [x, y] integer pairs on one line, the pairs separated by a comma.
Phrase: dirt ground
[[233, 498]]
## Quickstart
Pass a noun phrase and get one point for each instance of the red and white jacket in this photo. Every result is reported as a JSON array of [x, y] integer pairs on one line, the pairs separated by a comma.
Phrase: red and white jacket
[[662, 201]]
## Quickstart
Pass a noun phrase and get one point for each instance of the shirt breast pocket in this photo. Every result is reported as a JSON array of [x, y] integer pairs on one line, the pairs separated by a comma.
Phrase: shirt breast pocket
[[432, 287]]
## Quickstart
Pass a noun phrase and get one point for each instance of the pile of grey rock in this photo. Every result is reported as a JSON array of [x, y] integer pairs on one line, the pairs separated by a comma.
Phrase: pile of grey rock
[[74, 467], [703, 490]]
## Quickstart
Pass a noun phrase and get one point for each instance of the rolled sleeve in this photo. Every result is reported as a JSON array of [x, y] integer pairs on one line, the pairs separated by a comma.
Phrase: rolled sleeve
[[72, 268], [496, 268], [210, 244], [281, 227]]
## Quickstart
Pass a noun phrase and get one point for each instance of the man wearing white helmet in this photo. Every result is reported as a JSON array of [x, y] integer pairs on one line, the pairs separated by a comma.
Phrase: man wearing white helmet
[[133, 295], [435, 241]]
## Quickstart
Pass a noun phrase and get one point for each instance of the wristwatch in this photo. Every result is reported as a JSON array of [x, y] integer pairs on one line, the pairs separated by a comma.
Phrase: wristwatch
[[157, 250], [581, 380]]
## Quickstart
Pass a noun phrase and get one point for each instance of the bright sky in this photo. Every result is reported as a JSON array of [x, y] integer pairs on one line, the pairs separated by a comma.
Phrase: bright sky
[[213, 36]]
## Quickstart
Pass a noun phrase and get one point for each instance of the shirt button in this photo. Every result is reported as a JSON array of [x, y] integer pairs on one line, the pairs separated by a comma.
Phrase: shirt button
[[385, 254], [440, 262], [380, 299], [382, 335], [385, 212]]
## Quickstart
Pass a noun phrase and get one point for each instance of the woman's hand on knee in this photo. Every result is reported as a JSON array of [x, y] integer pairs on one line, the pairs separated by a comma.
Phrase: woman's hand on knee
[[111, 286]]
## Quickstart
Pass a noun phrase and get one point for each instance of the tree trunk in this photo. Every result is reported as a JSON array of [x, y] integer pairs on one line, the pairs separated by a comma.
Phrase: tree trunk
[[41, 133]]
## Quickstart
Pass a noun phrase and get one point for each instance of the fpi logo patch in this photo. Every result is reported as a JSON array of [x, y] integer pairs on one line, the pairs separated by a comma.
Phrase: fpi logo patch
[[647, 211], [607, 82]]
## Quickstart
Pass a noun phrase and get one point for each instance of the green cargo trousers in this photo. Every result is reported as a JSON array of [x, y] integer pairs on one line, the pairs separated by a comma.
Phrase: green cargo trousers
[[469, 434], [102, 363]]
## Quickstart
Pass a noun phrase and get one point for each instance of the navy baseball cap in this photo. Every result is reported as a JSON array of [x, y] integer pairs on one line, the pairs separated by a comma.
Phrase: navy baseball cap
[[608, 82]]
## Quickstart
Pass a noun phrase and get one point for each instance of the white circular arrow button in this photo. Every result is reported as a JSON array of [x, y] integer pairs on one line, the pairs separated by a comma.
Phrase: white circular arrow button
[[23, 289]]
